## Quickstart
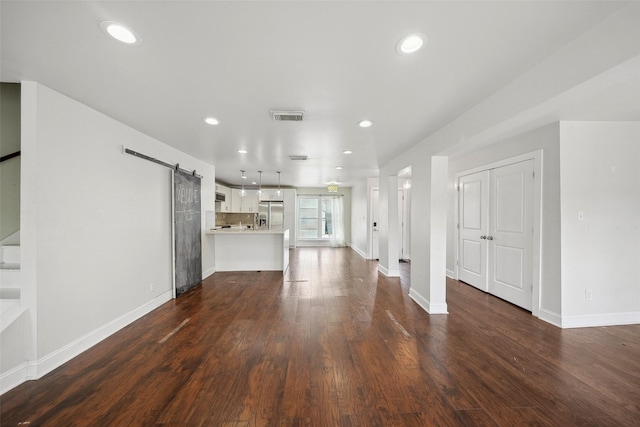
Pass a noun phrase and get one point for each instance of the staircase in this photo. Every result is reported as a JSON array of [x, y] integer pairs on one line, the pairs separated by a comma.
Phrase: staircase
[[10, 283]]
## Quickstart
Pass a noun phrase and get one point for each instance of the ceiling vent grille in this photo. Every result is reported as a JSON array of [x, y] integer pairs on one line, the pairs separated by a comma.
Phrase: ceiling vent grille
[[298, 157], [287, 116]]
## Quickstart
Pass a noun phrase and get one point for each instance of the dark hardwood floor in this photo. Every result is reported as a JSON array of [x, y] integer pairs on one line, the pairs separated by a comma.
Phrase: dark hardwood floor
[[332, 343]]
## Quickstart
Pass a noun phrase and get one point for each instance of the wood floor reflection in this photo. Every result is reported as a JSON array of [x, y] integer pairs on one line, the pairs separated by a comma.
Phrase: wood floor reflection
[[334, 343]]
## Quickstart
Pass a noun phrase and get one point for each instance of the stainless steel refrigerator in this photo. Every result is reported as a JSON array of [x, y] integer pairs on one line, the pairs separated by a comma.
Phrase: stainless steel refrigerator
[[270, 215]]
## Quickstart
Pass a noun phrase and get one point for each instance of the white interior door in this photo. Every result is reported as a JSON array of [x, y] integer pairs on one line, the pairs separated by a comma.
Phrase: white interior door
[[375, 242], [510, 239], [473, 224]]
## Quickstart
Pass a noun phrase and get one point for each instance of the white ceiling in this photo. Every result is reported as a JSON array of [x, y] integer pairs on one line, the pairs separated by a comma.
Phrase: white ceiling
[[335, 60]]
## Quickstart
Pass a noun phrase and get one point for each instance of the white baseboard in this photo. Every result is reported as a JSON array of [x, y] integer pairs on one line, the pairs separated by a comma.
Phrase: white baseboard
[[550, 317], [208, 272], [14, 377], [426, 305], [387, 272], [451, 274], [37, 369], [359, 252], [604, 319]]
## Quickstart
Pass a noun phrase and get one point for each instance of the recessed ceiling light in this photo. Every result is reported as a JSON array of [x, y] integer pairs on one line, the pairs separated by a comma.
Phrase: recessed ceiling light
[[365, 123], [347, 152], [411, 43], [338, 167], [241, 151], [253, 183], [121, 33], [211, 121]]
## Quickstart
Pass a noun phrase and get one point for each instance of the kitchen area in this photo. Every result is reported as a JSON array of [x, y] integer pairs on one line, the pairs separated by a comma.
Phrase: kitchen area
[[252, 229]]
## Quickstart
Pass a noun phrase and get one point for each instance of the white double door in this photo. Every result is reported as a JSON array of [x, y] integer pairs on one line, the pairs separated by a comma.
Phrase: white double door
[[496, 231]]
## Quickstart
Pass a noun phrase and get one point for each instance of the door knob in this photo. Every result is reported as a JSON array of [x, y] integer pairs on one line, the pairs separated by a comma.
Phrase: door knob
[[489, 237], [483, 237]]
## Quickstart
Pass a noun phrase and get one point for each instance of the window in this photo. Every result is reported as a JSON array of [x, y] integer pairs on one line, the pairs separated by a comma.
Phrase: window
[[314, 218]]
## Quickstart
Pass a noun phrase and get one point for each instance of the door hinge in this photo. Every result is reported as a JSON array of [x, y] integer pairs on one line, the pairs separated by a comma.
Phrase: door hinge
[[534, 174], [458, 226]]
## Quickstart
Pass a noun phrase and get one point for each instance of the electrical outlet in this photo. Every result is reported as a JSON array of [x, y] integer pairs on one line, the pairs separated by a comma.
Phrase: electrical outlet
[[580, 215], [588, 295], [151, 287]]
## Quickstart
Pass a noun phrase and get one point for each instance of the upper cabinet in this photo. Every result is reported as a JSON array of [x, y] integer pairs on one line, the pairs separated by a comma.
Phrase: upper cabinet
[[226, 205], [271, 194], [244, 204]]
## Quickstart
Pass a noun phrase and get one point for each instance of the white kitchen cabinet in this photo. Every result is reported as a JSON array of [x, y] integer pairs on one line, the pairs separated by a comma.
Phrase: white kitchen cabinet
[[244, 204], [250, 202], [271, 194], [226, 205], [236, 200]]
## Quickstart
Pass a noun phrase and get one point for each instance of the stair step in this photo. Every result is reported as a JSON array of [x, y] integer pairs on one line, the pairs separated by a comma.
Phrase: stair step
[[10, 277], [10, 310], [10, 254], [9, 293]]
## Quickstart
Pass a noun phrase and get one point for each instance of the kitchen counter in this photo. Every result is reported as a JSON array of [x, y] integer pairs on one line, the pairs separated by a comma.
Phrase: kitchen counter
[[250, 250], [244, 231]]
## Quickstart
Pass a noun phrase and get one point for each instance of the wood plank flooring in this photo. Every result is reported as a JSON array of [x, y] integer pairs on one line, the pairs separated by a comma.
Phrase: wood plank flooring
[[332, 343]]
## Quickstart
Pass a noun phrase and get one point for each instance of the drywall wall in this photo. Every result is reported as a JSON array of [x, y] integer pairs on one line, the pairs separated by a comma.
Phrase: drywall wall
[[600, 187], [9, 169], [99, 221]]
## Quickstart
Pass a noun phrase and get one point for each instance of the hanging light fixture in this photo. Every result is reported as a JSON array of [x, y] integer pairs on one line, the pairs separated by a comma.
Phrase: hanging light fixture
[[242, 175], [279, 184], [260, 184]]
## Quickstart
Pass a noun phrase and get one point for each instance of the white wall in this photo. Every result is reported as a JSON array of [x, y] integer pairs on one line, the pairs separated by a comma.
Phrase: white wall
[[96, 222], [600, 177], [547, 140]]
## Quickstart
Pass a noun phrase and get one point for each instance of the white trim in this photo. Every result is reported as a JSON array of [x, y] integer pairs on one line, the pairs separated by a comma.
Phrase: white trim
[[11, 314], [13, 377], [551, 317], [358, 251], [208, 272], [37, 369], [388, 273], [426, 305], [603, 319], [451, 274]]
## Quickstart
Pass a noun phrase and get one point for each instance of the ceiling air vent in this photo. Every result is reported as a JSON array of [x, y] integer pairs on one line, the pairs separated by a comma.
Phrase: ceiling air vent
[[298, 157], [287, 116]]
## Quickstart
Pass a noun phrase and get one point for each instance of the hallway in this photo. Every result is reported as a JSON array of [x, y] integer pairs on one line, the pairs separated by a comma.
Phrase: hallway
[[333, 343]]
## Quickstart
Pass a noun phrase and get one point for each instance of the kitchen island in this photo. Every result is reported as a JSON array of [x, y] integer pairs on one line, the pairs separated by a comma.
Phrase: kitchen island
[[250, 250]]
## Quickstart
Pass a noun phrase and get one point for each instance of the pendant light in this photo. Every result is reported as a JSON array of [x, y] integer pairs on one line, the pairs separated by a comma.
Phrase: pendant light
[[242, 175], [279, 184], [260, 184]]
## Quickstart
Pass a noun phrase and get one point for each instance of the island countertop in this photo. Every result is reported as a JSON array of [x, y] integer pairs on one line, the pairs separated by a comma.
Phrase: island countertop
[[243, 231], [250, 250]]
